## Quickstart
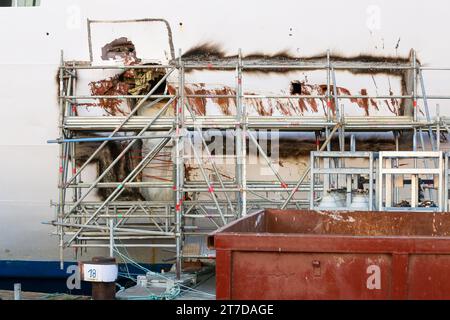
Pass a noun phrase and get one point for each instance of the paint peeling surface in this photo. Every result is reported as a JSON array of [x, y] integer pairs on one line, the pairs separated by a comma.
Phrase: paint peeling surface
[[120, 48], [267, 107], [205, 99], [213, 92]]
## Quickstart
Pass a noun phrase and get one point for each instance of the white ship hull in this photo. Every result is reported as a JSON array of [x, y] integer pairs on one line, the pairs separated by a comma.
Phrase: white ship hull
[[32, 40]]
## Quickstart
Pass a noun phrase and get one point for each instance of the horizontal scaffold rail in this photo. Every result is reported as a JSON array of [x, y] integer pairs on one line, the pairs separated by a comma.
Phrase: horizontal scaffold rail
[[307, 123]]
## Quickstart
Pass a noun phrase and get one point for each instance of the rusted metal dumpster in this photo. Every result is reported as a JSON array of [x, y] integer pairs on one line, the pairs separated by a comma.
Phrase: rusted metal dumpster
[[276, 254]]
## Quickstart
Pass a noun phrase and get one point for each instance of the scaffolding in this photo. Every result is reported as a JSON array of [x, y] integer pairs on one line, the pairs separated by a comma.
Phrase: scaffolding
[[343, 174], [83, 223], [392, 178]]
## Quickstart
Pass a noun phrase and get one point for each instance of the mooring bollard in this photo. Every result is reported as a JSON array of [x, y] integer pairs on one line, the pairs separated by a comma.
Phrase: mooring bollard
[[17, 291], [102, 273]]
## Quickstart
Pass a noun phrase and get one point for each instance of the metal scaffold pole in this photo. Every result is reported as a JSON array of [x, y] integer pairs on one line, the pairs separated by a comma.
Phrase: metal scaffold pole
[[179, 166], [242, 158], [61, 164]]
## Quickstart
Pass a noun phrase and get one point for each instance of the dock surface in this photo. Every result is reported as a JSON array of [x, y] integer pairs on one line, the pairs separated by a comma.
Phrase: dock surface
[[9, 295]]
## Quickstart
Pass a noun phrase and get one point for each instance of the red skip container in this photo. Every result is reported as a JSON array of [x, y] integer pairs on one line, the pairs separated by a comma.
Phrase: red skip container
[[276, 254]]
